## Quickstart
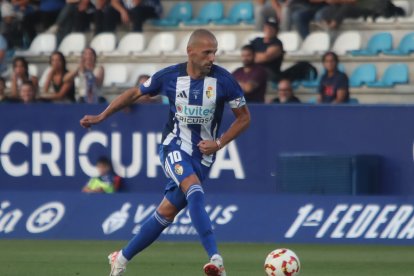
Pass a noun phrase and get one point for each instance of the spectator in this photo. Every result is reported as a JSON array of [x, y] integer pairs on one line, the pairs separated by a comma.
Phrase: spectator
[[106, 182], [130, 11], [11, 28], [73, 17], [269, 50], [49, 11], [26, 18], [333, 87], [27, 93], [333, 15], [300, 13], [285, 93], [264, 10], [3, 52], [21, 74], [3, 97], [251, 77], [62, 91], [91, 77]]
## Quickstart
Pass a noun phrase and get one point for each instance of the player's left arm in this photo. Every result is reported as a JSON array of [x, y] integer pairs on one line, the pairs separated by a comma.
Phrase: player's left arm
[[240, 124]]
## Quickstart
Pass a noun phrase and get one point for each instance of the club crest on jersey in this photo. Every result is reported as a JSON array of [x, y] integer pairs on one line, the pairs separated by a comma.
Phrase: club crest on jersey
[[178, 169], [209, 92]]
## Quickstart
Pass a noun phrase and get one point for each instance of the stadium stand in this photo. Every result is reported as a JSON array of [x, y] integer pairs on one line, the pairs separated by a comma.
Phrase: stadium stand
[[73, 44], [180, 12], [378, 43], [43, 44], [210, 12], [360, 43], [362, 75], [240, 12], [103, 43]]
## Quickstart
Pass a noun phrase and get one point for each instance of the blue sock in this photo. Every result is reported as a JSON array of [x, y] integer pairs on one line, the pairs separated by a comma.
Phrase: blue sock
[[200, 219], [150, 231]]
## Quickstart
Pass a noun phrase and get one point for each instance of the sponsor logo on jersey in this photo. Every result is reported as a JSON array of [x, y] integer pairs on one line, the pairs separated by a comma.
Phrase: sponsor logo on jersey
[[178, 169], [356, 221], [194, 114]]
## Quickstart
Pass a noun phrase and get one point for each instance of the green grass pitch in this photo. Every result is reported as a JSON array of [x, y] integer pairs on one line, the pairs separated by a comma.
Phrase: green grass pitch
[[88, 258]]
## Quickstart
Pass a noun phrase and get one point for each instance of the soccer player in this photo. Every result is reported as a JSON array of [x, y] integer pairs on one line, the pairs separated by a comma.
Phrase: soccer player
[[197, 91]]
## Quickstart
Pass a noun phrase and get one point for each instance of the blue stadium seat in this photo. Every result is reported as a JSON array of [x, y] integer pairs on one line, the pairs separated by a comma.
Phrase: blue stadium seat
[[377, 43], [394, 74], [405, 48], [210, 12], [240, 12], [363, 74], [180, 12]]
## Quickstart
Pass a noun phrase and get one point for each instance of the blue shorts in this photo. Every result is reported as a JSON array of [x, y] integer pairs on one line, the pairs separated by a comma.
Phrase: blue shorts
[[178, 165]]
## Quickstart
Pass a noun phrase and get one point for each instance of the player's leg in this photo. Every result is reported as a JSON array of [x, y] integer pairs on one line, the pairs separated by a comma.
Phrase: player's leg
[[149, 232], [191, 187]]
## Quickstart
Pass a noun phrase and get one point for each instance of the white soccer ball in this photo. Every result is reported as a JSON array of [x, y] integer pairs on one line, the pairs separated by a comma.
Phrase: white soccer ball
[[282, 262]]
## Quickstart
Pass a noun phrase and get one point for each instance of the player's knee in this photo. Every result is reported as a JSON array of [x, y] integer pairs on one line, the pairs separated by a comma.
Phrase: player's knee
[[188, 182], [168, 212]]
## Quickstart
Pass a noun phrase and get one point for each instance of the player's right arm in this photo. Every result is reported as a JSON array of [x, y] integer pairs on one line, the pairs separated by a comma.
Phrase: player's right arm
[[130, 96]]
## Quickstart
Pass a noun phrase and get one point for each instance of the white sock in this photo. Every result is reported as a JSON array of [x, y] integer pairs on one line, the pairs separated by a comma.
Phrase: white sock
[[121, 259]]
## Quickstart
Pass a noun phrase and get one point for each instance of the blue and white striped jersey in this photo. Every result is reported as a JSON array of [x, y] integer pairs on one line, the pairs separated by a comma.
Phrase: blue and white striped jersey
[[196, 106]]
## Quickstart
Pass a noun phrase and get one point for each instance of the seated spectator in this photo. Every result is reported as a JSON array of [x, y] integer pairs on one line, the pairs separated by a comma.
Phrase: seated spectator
[[91, 77], [26, 18], [10, 26], [106, 182], [300, 13], [334, 87], [285, 93], [3, 53], [49, 11], [73, 17], [251, 77], [130, 11], [19, 75], [333, 15], [269, 50], [266, 9], [3, 97], [27, 93], [63, 92]]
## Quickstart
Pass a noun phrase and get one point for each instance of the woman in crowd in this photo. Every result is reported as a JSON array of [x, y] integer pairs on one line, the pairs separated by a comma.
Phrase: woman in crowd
[[19, 75], [91, 77], [333, 87], [63, 91]]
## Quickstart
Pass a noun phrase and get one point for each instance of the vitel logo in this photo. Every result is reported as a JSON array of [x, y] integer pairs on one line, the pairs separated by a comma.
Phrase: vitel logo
[[353, 221], [194, 114]]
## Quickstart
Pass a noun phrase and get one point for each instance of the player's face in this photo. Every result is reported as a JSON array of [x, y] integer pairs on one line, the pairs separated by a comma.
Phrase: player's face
[[247, 57], [202, 54]]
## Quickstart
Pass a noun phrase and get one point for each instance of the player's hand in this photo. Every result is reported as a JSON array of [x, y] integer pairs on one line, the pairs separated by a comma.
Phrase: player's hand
[[89, 120], [207, 147]]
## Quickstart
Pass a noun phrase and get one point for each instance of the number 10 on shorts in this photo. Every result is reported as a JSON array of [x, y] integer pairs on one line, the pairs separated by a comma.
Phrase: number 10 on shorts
[[175, 156]]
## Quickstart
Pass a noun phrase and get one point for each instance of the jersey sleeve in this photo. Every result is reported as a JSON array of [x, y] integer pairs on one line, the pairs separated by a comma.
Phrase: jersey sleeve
[[153, 85], [234, 93]]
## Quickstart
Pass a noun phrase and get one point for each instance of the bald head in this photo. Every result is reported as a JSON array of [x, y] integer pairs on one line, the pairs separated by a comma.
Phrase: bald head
[[200, 35]]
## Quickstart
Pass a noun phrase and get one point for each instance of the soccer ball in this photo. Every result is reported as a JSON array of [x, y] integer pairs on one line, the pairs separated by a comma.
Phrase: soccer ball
[[282, 262]]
